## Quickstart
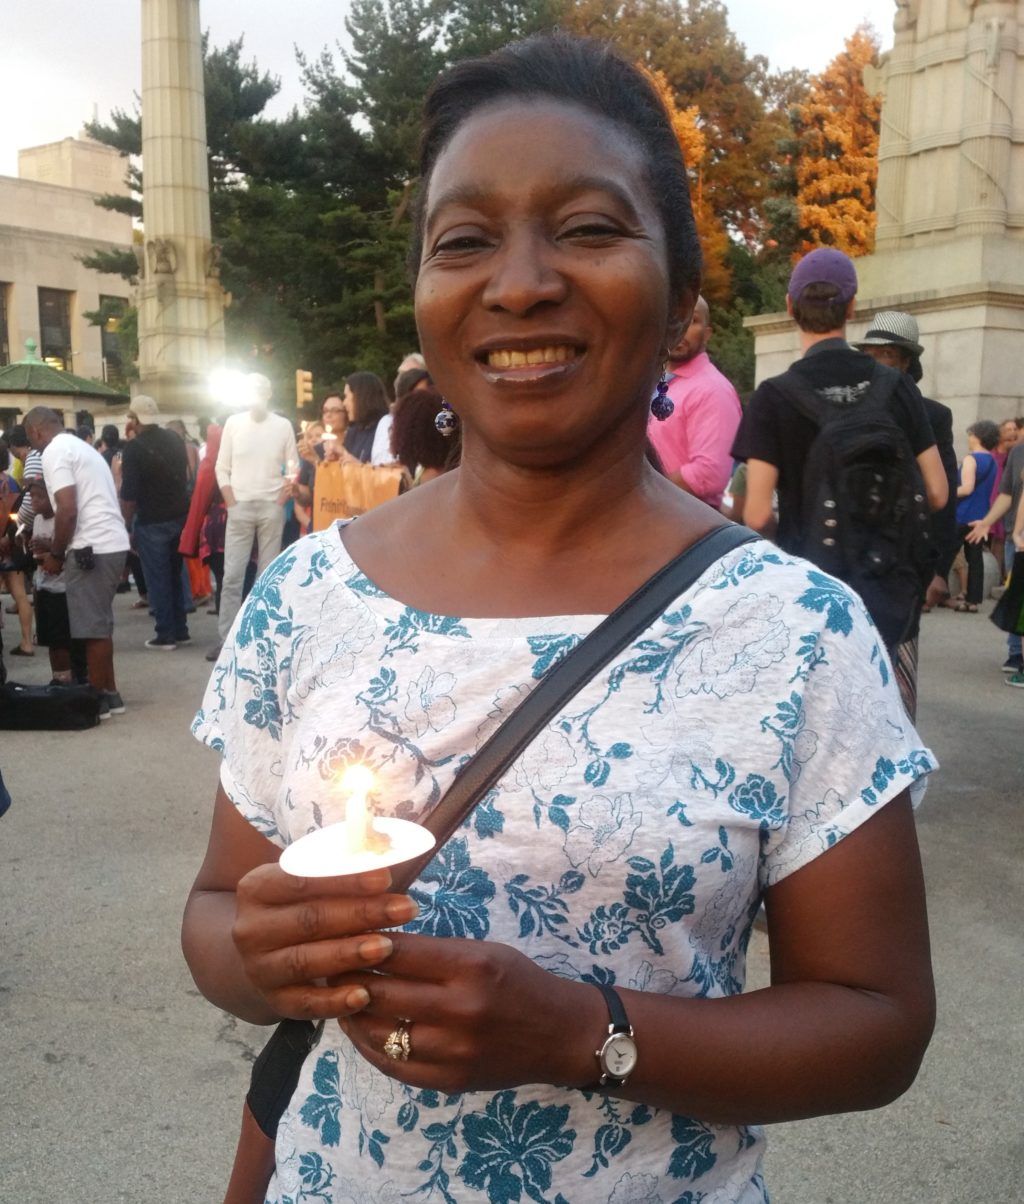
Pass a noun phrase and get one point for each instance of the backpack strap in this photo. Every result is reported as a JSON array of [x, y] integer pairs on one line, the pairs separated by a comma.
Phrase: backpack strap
[[818, 409]]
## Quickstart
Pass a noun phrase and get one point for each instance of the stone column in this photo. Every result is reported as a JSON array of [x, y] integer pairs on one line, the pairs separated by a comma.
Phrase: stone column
[[987, 122], [950, 199], [896, 81], [181, 303]]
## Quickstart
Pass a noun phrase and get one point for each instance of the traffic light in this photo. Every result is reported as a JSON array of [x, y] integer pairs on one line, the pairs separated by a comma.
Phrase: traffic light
[[303, 388]]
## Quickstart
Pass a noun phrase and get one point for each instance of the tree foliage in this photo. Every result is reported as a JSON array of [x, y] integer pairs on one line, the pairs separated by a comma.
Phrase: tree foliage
[[312, 210], [837, 134]]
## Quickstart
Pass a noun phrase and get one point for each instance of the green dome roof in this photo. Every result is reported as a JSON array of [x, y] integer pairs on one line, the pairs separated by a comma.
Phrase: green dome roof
[[32, 376]]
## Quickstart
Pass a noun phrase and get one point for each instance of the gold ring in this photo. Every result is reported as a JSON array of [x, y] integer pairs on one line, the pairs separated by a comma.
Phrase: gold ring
[[398, 1046]]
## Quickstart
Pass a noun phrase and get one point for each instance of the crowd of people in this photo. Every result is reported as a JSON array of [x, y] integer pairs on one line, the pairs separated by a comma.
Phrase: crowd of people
[[555, 1007], [203, 517], [190, 521]]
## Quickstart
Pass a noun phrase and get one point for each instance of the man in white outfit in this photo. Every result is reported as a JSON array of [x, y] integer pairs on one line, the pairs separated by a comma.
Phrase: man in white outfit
[[257, 459]]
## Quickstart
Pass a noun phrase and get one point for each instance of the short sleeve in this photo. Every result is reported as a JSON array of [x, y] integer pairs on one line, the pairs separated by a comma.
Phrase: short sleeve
[[1014, 466], [57, 468], [848, 746], [245, 712], [758, 434], [918, 427]]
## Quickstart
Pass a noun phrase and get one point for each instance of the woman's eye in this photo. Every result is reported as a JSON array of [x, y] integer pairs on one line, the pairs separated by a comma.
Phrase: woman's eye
[[591, 230], [459, 243]]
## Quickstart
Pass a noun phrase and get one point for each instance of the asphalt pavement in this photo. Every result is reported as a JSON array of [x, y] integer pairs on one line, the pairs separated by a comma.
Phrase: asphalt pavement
[[120, 1083]]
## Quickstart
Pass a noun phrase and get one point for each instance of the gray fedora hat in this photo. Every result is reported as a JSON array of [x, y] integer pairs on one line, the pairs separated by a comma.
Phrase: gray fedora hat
[[893, 329]]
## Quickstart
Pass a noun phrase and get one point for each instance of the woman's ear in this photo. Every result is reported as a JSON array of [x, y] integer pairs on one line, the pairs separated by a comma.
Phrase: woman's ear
[[679, 321]]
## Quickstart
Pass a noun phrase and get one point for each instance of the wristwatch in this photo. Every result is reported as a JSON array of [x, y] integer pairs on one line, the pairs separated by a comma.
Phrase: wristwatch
[[617, 1057]]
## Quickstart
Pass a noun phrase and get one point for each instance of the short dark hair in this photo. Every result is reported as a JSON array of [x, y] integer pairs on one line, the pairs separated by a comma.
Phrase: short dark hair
[[16, 436], [370, 395], [820, 309], [415, 440], [584, 72], [406, 381], [110, 435], [986, 432]]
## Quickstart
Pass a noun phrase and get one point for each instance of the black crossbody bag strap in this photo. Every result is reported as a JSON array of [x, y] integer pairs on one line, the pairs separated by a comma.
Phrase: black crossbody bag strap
[[276, 1071], [565, 680]]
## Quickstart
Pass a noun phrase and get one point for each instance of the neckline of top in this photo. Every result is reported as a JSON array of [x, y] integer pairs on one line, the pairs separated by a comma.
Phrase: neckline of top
[[378, 600]]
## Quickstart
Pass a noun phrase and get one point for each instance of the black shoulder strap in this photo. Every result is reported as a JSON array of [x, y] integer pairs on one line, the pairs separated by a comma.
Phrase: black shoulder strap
[[276, 1072], [818, 409], [565, 680], [803, 398]]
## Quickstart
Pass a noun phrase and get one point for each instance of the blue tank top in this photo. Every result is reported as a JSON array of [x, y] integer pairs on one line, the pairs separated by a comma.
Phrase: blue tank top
[[975, 504]]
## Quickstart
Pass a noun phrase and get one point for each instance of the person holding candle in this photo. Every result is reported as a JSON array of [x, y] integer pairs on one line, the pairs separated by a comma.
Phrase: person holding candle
[[561, 1016]]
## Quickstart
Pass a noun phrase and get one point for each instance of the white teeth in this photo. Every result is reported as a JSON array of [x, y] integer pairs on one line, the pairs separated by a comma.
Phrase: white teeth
[[560, 354]]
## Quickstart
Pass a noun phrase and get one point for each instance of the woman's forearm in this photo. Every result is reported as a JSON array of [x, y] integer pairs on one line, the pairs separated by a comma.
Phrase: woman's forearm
[[784, 1053], [214, 960]]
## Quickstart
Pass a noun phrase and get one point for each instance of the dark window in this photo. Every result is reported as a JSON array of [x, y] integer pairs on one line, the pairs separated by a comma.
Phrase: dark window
[[5, 337], [112, 309], [55, 327]]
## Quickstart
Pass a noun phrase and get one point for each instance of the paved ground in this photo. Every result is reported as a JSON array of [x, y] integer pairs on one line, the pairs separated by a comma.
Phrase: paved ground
[[121, 1084]]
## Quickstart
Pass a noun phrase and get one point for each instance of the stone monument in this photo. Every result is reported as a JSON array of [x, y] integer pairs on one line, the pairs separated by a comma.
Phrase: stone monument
[[949, 243], [181, 303]]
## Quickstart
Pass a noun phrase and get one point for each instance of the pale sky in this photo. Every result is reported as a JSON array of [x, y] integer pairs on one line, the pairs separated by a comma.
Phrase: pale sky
[[60, 60]]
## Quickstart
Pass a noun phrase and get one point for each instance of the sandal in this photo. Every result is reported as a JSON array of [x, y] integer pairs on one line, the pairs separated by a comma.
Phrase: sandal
[[21, 652], [966, 608]]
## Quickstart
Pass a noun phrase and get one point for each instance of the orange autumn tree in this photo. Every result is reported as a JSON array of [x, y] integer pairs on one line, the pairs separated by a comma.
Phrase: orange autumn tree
[[837, 164], [713, 239]]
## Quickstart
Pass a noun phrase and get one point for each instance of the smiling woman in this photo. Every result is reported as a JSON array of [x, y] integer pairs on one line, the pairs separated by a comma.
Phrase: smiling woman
[[601, 897]]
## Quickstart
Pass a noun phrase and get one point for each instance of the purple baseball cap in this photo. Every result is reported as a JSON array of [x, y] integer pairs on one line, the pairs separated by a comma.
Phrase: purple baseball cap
[[826, 265]]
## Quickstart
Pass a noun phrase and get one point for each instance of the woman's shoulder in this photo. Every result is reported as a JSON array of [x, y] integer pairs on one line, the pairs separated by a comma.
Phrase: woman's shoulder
[[760, 584], [295, 578]]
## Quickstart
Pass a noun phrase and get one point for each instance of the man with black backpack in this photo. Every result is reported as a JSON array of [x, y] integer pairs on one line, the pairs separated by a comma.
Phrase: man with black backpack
[[847, 444]]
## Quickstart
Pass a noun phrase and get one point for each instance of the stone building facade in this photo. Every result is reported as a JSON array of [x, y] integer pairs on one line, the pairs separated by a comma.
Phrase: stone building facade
[[950, 203], [49, 219]]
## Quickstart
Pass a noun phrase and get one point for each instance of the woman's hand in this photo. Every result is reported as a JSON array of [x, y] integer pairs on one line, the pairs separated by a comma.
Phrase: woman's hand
[[293, 933], [480, 1016]]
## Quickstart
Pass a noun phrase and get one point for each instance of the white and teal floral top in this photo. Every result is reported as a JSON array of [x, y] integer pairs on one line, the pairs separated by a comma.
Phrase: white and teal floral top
[[750, 729]]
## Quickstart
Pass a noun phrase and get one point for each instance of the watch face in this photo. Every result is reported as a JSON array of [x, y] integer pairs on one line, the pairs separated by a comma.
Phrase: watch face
[[619, 1055]]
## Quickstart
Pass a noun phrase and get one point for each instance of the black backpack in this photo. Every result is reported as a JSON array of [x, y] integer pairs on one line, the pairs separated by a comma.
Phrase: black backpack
[[865, 516]]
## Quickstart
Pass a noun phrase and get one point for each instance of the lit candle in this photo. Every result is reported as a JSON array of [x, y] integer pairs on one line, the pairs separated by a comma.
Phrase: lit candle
[[359, 782], [360, 842]]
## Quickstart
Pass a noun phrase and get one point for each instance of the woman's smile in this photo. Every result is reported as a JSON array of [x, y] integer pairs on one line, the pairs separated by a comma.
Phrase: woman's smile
[[519, 362]]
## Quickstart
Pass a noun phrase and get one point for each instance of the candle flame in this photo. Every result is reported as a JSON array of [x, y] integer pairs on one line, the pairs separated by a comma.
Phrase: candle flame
[[358, 779]]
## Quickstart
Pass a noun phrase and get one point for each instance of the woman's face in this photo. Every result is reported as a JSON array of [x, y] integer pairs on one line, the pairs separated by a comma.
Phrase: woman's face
[[1008, 434], [348, 402], [542, 299]]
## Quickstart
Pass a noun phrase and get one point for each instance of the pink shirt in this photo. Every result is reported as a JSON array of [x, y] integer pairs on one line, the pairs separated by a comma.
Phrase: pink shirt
[[696, 441]]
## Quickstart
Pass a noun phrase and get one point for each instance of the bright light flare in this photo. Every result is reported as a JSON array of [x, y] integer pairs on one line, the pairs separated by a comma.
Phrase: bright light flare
[[230, 388]]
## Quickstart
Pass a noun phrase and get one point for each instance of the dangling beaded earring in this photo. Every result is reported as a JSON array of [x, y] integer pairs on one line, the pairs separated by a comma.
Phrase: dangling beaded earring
[[662, 406], [447, 422]]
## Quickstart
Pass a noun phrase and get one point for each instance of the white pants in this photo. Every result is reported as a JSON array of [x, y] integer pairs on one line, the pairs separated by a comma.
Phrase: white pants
[[263, 520]]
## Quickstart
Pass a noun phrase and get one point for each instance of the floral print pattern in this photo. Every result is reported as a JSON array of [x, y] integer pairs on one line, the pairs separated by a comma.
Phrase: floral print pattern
[[745, 733]]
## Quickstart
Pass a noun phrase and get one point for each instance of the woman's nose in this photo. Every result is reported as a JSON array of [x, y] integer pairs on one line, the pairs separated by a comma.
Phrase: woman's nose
[[524, 275]]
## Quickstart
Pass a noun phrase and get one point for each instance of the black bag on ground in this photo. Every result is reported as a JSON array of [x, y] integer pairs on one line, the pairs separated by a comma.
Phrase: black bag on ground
[[48, 708], [865, 515]]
